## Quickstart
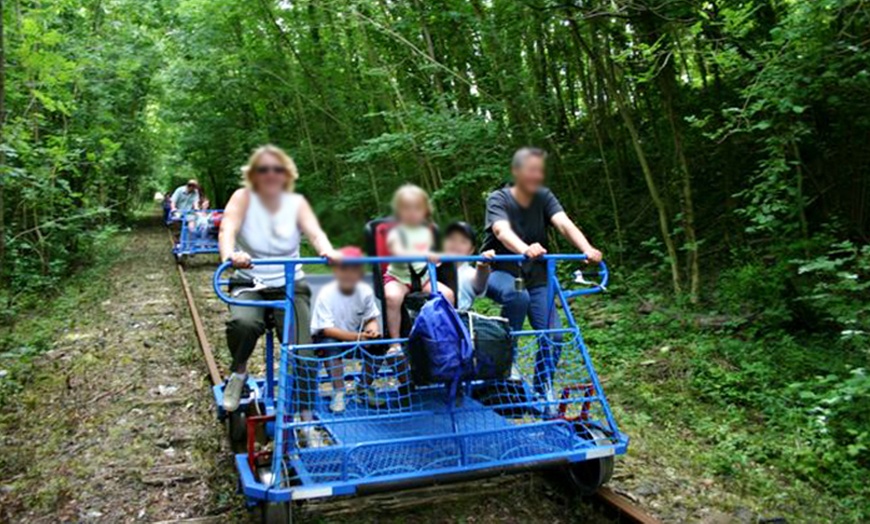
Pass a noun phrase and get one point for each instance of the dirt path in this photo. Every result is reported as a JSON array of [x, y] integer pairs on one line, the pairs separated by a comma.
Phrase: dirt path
[[117, 424]]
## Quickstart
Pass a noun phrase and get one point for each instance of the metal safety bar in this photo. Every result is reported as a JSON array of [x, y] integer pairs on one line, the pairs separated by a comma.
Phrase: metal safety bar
[[290, 264]]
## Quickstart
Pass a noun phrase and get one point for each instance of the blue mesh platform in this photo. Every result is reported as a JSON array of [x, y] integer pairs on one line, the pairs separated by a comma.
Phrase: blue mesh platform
[[544, 414], [433, 438], [430, 417]]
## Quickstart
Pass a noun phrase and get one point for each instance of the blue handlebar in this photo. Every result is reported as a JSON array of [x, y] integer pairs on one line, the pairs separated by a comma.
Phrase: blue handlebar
[[179, 215], [290, 263], [191, 212]]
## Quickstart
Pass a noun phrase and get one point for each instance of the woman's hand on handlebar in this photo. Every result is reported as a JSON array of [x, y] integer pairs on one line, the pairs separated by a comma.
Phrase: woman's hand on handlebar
[[332, 255], [241, 260]]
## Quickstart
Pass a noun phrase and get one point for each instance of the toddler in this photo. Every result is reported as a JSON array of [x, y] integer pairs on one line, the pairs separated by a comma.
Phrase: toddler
[[411, 236], [460, 239]]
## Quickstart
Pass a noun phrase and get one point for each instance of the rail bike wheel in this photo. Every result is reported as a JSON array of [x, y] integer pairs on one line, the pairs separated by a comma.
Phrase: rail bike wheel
[[275, 512], [589, 476], [272, 512], [237, 431]]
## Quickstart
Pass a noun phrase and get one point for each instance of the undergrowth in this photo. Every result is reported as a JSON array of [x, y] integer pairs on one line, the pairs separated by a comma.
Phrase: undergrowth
[[770, 375], [52, 310]]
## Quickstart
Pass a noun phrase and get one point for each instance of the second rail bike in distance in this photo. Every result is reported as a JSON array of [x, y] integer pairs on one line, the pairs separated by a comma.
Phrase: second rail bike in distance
[[550, 412], [197, 233]]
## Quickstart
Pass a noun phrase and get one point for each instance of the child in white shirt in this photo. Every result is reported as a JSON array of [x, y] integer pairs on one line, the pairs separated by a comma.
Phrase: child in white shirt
[[345, 311]]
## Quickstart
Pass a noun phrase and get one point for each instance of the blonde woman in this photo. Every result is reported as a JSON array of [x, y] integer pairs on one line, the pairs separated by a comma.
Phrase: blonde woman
[[266, 219]]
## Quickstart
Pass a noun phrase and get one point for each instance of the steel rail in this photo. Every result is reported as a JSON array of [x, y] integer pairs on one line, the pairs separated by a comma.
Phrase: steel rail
[[204, 345], [623, 508]]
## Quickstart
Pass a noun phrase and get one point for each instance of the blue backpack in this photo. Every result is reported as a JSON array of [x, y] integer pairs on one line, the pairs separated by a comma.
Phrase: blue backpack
[[439, 345]]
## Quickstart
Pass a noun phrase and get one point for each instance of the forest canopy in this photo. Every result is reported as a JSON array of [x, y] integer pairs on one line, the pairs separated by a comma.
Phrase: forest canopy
[[680, 133]]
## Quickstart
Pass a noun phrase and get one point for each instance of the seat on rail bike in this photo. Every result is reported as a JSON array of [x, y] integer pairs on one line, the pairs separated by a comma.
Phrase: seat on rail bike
[[376, 232]]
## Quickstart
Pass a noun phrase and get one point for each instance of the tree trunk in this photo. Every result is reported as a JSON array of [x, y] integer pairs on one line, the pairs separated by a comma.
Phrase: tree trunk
[[667, 84], [493, 47], [801, 201], [688, 210], [628, 120], [595, 112], [374, 185], [430, 48], [3, 174]]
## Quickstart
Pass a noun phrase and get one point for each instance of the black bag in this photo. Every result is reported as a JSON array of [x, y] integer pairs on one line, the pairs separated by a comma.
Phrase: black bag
[[237, 282], [414, 302], [510, 398], [493, 345]]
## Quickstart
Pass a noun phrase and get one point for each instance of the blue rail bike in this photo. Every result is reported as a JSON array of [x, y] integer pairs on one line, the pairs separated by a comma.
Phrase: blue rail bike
[[197, 232], [395, 432]]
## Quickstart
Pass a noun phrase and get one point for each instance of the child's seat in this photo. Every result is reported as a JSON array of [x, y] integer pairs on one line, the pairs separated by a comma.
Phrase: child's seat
[[376, 232]]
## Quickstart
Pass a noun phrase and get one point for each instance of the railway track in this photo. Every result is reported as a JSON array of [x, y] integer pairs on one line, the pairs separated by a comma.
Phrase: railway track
[[613, 505], [623, 509]]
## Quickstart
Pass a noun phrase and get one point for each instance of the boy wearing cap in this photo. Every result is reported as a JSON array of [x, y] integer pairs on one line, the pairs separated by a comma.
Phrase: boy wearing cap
[[345, 311], [460, 239]]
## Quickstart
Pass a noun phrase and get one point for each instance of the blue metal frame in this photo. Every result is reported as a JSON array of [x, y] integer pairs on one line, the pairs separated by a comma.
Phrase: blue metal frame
[[188, 243], [572, 450]]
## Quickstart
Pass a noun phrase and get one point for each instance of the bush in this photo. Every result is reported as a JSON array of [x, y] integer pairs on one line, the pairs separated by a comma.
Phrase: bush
[[757, 290], [834, 285]]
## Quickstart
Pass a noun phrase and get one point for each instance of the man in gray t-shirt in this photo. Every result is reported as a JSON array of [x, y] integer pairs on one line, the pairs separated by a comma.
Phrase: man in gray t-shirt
[[518, 217], [529, 221], [186, 197]]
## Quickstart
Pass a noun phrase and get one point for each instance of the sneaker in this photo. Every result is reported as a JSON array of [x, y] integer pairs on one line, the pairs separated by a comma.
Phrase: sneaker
[[395, 350], [309, 437], [337, 403], [551, 409], [233, 391], [372, 399], [515, 375]]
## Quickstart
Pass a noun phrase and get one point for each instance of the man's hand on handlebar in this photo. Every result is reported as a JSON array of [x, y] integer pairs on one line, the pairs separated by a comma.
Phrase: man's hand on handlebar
[[241, 260], [535, 250], [593, 255]]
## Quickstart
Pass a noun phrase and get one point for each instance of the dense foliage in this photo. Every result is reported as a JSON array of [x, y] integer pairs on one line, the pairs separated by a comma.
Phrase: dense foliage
[[716, 150], [75, 138]]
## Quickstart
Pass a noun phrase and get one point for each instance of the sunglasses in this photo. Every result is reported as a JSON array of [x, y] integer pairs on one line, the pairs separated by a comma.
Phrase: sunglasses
[[278, 170]]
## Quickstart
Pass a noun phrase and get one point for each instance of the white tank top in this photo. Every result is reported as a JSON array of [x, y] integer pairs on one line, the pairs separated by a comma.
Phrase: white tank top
[[267, 235]]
